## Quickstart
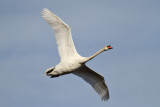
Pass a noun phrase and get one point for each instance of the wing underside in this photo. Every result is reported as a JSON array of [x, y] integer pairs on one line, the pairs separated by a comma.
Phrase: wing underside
[[95, 80], [62, 33]]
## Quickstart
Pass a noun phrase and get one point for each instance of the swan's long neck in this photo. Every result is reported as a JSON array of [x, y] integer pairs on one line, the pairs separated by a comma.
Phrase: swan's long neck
[[100, 51]]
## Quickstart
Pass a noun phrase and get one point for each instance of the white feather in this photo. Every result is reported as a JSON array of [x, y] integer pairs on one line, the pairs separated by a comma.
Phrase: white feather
[[62, 33], [95, 80]]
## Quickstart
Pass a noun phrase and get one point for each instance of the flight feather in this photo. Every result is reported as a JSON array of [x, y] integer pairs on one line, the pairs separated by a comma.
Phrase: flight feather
[[62, 33], [95, 80]]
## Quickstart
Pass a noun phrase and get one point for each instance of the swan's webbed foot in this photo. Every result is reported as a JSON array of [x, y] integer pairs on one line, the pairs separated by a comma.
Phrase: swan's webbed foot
[[54, 76]]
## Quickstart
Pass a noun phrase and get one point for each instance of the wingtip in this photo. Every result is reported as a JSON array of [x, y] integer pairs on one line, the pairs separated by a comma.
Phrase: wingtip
[[44, 11], [106, 97]]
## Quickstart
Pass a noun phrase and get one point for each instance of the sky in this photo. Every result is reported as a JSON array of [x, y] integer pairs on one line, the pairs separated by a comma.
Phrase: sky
[[28, 47]]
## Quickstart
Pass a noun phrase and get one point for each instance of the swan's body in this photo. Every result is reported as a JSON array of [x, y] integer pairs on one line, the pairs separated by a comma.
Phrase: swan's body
[[71, 61]]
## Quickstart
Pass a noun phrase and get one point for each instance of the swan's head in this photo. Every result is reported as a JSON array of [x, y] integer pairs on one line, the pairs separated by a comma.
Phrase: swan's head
[[107, 47], [49, 70]]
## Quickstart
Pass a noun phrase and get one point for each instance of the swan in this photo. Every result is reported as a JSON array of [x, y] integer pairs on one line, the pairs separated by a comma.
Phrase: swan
[[70, 60]]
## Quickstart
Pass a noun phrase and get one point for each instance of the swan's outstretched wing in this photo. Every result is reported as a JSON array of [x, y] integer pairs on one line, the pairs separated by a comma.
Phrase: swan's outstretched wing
[[95, 80], [62, 33]]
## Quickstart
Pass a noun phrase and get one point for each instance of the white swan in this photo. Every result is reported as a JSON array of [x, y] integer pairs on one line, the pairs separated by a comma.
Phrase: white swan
[[71, 61]]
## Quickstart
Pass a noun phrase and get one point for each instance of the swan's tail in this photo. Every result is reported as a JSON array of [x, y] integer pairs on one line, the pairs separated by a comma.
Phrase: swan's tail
[[50, 72]]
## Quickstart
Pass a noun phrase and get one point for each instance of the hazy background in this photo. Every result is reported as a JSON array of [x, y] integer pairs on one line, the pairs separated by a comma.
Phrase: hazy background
[[28, 48]]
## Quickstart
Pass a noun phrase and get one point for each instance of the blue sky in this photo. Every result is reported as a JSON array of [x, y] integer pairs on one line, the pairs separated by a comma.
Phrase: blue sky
[[28, 48]]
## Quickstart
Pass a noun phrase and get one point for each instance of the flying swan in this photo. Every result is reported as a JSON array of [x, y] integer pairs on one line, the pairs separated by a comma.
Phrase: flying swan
[[71, 61]]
